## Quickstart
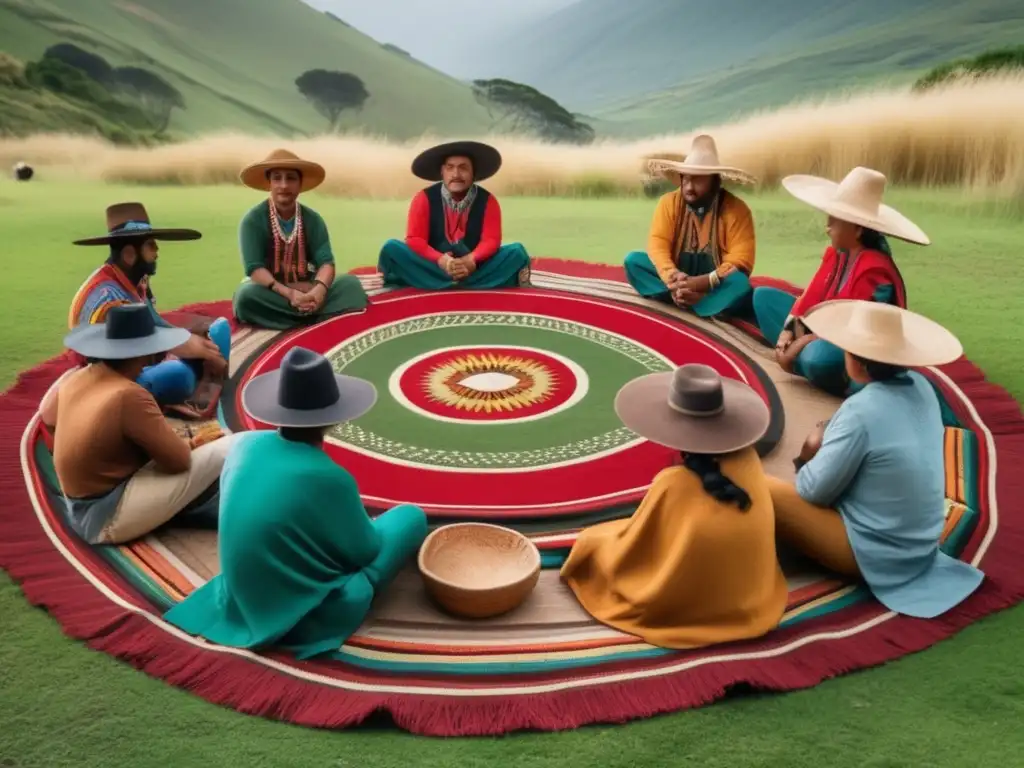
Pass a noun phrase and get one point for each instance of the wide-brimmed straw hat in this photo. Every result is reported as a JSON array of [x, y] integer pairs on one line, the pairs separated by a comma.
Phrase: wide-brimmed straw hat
[[486, 159], [883, 333], [255, 175], [701, 160], [306, 392], [127, 221], [858, 200], [128, 331], [694, 410]]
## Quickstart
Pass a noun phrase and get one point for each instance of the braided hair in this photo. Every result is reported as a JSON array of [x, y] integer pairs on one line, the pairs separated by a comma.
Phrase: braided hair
[[716, 484]]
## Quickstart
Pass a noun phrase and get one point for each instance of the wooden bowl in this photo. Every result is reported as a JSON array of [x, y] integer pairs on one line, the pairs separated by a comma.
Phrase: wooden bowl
[[477, 570]]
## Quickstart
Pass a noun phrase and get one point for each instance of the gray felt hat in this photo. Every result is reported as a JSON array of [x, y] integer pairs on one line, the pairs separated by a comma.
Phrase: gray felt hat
[[129, 330], [693, 409], [306, 392]]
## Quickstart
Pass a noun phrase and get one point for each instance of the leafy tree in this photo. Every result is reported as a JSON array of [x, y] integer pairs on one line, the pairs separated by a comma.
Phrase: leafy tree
[[94, 65], [56, 75], [156, 94], [522, 108], [331, 93]]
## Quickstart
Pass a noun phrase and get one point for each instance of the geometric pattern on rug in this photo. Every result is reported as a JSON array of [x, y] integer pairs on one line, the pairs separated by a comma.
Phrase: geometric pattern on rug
[[548, 668]]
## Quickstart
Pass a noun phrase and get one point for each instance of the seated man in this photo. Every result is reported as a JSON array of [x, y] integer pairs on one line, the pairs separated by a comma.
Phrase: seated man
[[122, 468], [869, 498], [700, 252], [290, 279], [300, 559], [126, 278], [453, 236]]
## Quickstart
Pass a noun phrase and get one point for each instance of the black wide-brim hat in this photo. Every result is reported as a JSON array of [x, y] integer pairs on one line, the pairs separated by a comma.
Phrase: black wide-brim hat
[[129, 331], [486, 159], [306, 392], [129, 221]]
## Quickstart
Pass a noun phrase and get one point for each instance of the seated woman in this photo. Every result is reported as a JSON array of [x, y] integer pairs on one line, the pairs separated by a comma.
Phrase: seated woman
[[696, 563], [300, 558], [869, 501], [857, 265]]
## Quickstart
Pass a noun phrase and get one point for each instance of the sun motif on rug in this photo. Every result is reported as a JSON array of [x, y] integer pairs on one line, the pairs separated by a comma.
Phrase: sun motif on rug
[[490, 382]]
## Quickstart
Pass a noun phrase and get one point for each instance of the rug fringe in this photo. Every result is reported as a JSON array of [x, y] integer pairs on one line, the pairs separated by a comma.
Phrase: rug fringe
[[84, 613]]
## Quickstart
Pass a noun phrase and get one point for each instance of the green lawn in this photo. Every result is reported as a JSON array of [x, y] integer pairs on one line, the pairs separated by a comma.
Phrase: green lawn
[[955, 704]]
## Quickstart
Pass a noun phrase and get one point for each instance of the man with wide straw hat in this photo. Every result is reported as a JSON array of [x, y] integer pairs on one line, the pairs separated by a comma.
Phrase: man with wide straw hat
[[857, 264], [701, 247], [300, 558], [126, 277], [696, 563], [290, 276], [453, 235], [870, 502], [122, 468]]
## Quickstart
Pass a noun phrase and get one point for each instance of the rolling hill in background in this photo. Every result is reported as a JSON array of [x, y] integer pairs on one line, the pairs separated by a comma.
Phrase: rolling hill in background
[[235, 62], [650, 66]]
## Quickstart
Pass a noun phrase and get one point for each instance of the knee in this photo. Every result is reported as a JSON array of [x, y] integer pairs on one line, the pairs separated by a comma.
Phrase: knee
[[636, 260], [737, 281], [170, 382], [518, 252], [220, 334], [393, 247], [411, 519], [763, 297], [822, 363], [244, 295]]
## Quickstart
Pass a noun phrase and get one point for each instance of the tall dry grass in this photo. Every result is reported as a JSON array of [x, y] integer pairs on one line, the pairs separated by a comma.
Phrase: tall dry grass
[[969, 134]]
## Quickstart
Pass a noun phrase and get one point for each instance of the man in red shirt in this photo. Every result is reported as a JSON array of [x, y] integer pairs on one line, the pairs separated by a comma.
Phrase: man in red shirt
[[453, 236]]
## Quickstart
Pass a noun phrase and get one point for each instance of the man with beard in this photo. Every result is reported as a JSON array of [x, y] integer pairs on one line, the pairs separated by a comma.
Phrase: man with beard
[[125, 279], [453, 235], [290, 279], [700, 251]]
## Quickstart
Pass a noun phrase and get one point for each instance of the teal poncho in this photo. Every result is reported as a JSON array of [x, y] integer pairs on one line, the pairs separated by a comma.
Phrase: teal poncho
[[300, 558]]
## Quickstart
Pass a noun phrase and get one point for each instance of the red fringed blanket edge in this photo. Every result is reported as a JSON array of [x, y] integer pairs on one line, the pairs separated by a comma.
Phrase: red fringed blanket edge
[[37, 561]]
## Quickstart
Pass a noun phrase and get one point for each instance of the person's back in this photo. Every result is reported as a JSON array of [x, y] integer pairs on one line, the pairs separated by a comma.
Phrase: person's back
[[105, 424], [893, 504], [899, 490]]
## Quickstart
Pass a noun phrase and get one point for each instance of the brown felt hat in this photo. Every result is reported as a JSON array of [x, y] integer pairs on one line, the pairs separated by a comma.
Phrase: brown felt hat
[[883, 333], [694, 410], [255, 175], [130, 220]]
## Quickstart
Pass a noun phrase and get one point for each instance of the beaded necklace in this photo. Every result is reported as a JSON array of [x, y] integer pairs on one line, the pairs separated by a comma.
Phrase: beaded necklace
[[289, 271], [459, 207]]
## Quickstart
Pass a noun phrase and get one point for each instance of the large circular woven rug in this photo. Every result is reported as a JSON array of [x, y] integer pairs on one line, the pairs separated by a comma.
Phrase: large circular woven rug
[[498, 406]]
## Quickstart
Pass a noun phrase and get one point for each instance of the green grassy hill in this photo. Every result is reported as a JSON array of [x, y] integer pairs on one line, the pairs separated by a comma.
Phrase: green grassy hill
[[235, 62], [656, 65]]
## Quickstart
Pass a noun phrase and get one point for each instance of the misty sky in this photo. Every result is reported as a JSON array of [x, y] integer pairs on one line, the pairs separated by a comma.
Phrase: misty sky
[[436, 31]]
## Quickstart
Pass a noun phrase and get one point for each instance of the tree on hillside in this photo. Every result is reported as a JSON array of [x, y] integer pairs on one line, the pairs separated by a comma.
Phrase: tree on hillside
[[522, 108], [331, 93], [94, 65], [155, 93]]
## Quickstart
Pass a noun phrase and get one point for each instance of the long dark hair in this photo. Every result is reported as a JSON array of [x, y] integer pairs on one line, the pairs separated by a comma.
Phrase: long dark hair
[[885, 373], [874, 240], [716, 484]]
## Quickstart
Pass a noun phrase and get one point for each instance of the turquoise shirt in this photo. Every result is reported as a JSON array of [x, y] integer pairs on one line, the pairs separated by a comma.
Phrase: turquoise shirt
[[881, 465], [294, 537]]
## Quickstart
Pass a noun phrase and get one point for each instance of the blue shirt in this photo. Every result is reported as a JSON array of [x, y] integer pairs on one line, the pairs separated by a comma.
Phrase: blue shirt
[[881, 465]]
